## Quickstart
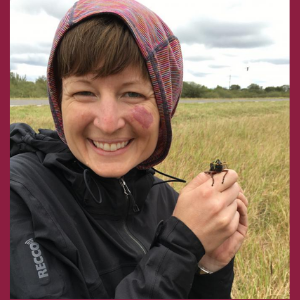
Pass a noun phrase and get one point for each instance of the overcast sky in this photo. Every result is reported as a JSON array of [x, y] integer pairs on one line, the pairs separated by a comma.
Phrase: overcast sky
[[219, 38]]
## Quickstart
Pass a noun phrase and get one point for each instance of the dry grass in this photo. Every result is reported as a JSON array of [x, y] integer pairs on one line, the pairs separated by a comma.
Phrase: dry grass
[[254, 139]]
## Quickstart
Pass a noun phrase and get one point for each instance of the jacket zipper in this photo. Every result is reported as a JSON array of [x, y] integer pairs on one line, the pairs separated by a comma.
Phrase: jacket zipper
[[128, 194], [135, 208]]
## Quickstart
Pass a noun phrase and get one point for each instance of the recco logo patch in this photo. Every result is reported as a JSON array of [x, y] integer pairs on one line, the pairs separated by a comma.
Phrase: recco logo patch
[[38, 259]]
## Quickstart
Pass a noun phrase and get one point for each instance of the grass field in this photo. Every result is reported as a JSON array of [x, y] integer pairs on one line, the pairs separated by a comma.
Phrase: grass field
[[253, 137]]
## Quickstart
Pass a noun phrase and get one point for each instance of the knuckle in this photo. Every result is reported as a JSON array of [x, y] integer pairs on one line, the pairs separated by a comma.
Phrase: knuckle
[[206, 193], [216, 207], [202, 176], [236, 189], [223, 222], [243, 200], [232, 227]]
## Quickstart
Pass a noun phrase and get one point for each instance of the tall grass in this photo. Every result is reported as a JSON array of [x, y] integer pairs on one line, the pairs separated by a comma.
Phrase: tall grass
[[254, 139]]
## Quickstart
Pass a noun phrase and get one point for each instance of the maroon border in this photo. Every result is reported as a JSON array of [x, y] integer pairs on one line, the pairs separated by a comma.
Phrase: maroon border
[[294, 144], [4, 119]]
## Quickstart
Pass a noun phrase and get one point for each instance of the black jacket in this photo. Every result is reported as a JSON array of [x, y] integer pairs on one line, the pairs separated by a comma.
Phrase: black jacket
[[77, 235]]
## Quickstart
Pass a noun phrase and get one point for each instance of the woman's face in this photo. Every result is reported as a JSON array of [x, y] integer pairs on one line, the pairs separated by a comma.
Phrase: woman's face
[[111, 124]]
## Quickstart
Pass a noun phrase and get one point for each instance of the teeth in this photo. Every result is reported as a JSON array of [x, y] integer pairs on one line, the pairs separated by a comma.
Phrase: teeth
[[110, 147], [113, 147]]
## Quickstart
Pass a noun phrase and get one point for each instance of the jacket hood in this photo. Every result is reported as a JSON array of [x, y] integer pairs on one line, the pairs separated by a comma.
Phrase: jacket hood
[[160, 49]]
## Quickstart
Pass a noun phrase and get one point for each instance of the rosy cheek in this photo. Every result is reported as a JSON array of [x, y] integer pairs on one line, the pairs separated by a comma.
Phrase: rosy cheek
[[142, 116]]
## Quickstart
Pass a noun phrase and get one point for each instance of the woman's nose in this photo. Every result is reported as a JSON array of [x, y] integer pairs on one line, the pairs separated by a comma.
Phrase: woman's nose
[[109, 116]]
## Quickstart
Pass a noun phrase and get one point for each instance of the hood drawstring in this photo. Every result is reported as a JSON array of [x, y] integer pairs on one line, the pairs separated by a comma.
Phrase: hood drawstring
[[174, 179], [85, 174], [87, 185]]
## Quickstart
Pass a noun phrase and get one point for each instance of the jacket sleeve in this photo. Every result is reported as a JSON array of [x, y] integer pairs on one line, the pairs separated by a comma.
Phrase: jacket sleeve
[[213, 286], [170, 269], [167, 270]]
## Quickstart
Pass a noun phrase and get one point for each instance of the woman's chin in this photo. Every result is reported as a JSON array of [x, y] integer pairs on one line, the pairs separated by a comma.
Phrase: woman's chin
[[110, 171]]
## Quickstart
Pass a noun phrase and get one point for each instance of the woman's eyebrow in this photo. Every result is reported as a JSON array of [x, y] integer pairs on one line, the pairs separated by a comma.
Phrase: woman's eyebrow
[[134, 81], [126, 83], [78, 80]]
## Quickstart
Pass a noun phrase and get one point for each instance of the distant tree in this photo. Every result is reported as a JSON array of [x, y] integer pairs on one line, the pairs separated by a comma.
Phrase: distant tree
[[222, 92], [193, 90], [16, 78], [235, 87], [20, 87], [218, 87], [270, 89], [41, 87], [41, 79], [254, 86]]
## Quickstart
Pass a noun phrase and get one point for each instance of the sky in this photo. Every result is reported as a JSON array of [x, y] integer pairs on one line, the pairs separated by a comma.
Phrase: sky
[[223, 42]]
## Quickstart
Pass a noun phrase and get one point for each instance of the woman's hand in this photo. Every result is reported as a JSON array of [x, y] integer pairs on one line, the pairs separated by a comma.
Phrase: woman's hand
[[220, 257], [212, 212]]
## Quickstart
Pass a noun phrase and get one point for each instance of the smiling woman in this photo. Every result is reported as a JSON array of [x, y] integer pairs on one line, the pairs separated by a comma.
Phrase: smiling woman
[[86, 196]]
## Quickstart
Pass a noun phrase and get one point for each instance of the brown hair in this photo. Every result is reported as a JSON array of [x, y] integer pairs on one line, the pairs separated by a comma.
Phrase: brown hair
[[101, 45]]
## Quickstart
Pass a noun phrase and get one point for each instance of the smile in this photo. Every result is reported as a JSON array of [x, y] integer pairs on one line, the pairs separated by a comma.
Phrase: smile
[[110, 147]]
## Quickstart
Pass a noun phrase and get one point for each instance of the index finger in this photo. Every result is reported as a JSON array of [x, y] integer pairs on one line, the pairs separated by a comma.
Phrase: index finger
[[196, 182], [223, 180]]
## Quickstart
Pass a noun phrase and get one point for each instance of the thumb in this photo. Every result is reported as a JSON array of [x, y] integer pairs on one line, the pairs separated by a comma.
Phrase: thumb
[[196, 182]]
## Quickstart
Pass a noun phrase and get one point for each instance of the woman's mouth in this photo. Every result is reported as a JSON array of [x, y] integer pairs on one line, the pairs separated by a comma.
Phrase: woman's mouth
[[110, 147]]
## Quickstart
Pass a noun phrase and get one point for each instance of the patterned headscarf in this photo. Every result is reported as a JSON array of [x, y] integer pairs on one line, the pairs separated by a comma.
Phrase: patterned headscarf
[[160, 49]]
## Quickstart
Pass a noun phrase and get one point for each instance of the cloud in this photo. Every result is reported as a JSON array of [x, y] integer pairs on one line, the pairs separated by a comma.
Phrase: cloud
[[198, 74], [56, 9], [20, 48], [218, 66], [274, 61], [29, 59], [13, 66], [196, 58], [219, 34]]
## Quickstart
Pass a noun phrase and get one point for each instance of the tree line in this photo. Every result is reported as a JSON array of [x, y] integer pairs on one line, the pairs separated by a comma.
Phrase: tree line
[[21, 88], [194, 90]]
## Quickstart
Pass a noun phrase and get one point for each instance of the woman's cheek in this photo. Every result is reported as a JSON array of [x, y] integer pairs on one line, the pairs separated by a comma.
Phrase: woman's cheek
[[75, 119], [142, 116]]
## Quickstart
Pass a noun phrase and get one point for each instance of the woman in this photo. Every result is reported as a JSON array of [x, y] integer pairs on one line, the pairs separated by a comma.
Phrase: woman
[[88, 217]]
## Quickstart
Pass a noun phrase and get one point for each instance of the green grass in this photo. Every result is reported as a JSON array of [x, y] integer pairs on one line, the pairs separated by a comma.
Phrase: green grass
[[254, 139], [36, 116]]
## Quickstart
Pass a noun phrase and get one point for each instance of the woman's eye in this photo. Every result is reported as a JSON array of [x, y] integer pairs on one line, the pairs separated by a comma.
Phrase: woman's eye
[[133, 95], [84, 93]]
